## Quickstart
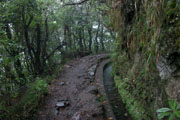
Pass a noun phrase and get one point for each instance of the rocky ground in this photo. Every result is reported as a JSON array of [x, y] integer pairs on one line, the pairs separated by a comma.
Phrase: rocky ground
[[75, 95]]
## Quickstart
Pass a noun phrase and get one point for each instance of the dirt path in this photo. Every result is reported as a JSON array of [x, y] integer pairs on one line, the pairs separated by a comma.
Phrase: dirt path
[[74, 96]]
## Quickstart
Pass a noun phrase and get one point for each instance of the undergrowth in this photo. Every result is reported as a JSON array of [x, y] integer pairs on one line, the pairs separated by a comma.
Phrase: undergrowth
[[26, 106]]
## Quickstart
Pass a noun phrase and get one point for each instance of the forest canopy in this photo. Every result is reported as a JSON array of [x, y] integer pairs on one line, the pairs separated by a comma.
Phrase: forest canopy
[[37, 37]]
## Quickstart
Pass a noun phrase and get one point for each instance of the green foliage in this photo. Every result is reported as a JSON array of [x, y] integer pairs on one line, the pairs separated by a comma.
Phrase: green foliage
[[27, 106], [36, 38], [173, 112], [135, 107], [171, 27], [32, 97], [142, 31]]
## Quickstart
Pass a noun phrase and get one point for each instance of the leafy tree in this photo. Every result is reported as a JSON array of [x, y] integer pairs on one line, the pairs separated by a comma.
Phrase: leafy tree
[[36, 37]]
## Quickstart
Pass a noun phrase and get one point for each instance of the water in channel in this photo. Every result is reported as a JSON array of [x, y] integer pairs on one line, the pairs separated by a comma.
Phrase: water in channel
[[113, 96]]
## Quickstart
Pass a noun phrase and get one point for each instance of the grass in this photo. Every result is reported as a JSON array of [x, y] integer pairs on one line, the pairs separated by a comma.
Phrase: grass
[[134, 107]]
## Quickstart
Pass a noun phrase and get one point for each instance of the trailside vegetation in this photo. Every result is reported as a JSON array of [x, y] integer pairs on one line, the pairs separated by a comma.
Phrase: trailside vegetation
[[36, 38], [147, 30]]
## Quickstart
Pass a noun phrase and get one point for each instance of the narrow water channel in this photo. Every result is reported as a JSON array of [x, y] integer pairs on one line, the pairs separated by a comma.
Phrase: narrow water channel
[[113, 95]]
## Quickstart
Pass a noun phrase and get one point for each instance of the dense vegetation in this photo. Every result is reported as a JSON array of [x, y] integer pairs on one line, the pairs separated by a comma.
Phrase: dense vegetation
[[147, 53], [36, 38]]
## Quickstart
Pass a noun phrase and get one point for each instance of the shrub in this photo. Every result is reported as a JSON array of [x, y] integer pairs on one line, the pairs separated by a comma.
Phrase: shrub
[[28, 104], [173, 112]]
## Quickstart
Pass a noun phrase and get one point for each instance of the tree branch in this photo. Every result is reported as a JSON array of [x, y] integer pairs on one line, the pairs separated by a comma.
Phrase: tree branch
[[52, 53], [30, 20], [77, 3]]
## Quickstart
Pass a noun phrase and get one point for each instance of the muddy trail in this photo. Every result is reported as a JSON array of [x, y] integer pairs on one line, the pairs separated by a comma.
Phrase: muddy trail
[[73, 96], [78, 93]]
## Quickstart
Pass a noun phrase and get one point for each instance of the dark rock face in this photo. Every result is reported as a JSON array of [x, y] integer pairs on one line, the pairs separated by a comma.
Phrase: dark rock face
[[169, 72], [155, 75], [164, 69]]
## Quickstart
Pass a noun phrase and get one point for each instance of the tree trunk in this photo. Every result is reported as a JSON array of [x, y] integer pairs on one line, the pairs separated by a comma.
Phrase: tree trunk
[[69, 37], [80, 40], [14, 53], [26, 36], [90, 38], [84, 40], [38, 65], [102, 37], [44, 52], [96, 39], [8, 31]]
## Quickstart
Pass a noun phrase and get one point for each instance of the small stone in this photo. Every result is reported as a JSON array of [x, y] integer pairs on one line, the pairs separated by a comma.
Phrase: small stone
[[91, 73], [60, 104], [62, 83], [68, 66]]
